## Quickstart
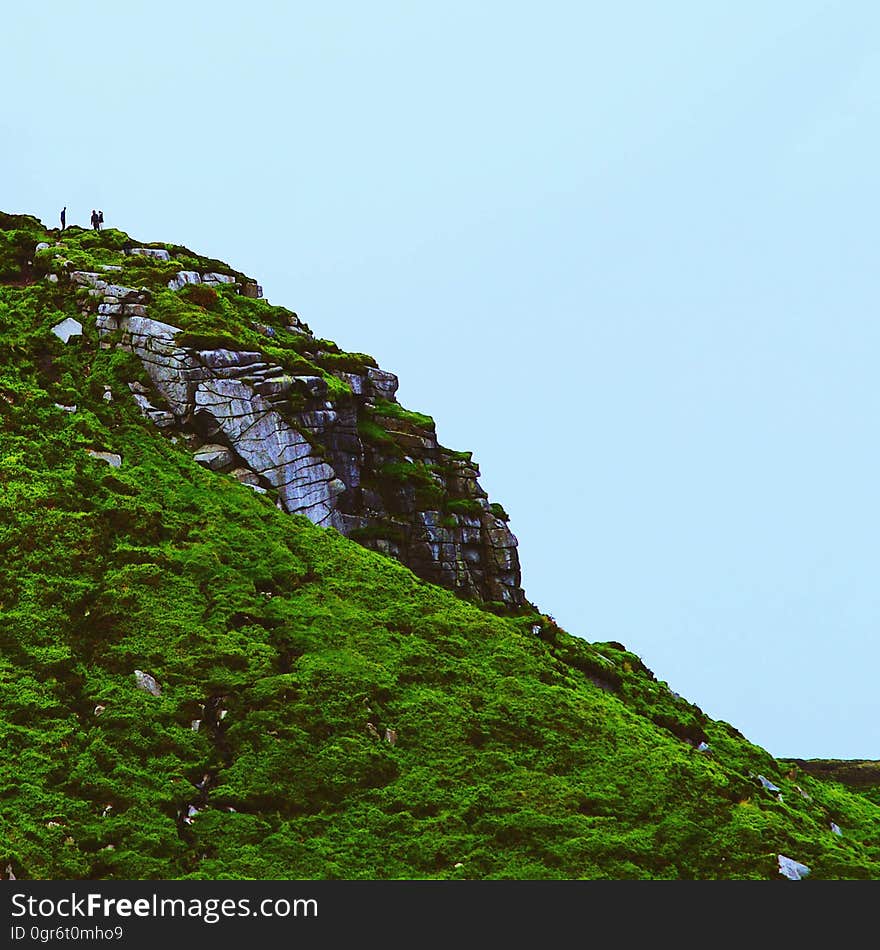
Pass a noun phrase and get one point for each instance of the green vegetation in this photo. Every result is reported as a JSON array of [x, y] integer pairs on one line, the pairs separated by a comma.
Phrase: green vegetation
[[353, 721], [499, 512], [393, 410]]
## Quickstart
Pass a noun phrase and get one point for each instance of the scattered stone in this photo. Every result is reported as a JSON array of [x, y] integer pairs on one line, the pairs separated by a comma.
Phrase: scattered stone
[[53, 824], [245, 476], [63, 408], [42, 246], [9, 875], [252, 289], [111, 458], [67, 329], [194, 725], [835, 829], [536, 629], [87, 277], [182, 278], [768, 785], [111, 267], [147, 683], [108, 394], [458, 864], [106, 811], [793, 870], [160, 254], [159, 417], [214, 456], [704, 747], [52, 278], [214, 278], [391, 736], [222, 714], [373, 731], [138, 387], [803, 794], [98, 709], [69, 841]]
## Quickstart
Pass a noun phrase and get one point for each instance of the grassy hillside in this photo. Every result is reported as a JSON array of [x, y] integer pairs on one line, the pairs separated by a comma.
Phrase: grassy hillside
[[353, 721]]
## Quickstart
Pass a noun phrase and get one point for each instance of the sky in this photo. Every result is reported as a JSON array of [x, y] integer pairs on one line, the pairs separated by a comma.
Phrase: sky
[[626, 252]]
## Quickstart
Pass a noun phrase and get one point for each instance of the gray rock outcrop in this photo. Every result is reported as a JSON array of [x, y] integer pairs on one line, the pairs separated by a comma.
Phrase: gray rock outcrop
[[356, 462]]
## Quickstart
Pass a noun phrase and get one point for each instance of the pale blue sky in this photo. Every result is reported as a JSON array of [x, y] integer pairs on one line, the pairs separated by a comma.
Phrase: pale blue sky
[[624, 251]]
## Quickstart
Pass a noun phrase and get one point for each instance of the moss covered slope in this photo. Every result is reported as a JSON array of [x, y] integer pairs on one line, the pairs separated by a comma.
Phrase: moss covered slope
[[322, 711]]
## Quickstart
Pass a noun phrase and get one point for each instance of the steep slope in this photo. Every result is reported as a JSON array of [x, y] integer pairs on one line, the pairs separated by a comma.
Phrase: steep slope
[[194, 682], [257, 395]]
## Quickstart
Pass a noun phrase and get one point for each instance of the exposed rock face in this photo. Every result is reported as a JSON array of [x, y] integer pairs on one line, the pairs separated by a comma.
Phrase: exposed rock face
[[354, 460]]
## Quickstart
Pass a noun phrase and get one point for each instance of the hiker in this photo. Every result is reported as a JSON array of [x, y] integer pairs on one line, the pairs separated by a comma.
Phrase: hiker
[[94, 219], [100, 220], [63, 217]]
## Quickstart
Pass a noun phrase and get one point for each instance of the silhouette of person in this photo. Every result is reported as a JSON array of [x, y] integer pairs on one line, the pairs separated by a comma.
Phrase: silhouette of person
[[100, 220], [63, 217], [94, 219]]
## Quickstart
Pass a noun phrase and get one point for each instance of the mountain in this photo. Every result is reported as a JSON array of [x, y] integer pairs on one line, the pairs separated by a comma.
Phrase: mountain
[[256, 622]]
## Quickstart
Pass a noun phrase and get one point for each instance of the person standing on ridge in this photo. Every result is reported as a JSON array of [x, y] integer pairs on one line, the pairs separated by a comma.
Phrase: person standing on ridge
[[100, 220], [63, 217], [94, 219]]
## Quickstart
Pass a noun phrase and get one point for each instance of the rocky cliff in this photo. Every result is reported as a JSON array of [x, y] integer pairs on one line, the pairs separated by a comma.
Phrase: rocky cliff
[[257, 395]]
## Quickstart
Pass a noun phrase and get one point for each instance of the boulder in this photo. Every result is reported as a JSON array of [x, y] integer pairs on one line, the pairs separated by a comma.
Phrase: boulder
[[382, 383], [768, 785], [67, 328], [159, 417], [159, 253], [182, 278], [124, 294], [793, 870], [214, 278], [214, 456], [147, 683], [42, 246], [111, 458], [245, 476], [87, 278]]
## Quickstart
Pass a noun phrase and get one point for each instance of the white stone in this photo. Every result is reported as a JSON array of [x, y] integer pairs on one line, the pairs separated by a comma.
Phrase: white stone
[[52, 278], [768, 784], [160, 254], [793, 870], [67, 328], [111, 267], [214, 278], [182, 278], [64, 408], [147, 683], [42, 246], [111, 458]]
